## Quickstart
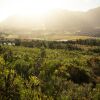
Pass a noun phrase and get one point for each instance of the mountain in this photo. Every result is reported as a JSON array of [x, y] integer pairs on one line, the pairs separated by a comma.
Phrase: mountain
[[57, 20]]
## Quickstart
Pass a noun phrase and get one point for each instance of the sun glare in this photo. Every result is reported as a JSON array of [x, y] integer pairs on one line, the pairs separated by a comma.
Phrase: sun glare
[[41, 7], [36, 7]]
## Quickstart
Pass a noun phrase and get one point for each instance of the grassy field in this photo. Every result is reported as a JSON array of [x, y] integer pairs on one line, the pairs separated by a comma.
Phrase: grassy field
[[51, 37]]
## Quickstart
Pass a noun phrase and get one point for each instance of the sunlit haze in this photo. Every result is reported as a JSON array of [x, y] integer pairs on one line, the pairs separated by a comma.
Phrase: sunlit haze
[[41, 7]]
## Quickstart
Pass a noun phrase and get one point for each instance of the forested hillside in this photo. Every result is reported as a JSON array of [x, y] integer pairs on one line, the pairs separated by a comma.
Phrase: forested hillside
[[50, 70]]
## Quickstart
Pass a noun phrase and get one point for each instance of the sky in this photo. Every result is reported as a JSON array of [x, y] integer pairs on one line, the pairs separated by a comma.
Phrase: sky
[[39, 7]]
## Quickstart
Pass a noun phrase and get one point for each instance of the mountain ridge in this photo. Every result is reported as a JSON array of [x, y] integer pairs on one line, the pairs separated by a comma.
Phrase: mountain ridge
[[58, 20]]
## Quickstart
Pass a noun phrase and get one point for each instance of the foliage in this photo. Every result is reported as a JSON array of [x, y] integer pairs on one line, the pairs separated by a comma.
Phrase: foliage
[[50, 71]]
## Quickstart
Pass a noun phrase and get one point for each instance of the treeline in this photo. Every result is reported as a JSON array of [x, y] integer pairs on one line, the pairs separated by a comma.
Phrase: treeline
[[57, 44], [51, 44]]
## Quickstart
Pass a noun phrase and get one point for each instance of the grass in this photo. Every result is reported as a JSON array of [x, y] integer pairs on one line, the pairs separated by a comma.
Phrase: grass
[[58, 36]]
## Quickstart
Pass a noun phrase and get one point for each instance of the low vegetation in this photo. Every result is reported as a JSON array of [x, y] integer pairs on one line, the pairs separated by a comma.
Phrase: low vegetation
[[50, 70]]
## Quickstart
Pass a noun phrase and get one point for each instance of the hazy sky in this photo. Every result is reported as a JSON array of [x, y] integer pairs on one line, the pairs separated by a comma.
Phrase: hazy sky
[[26, 7]]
